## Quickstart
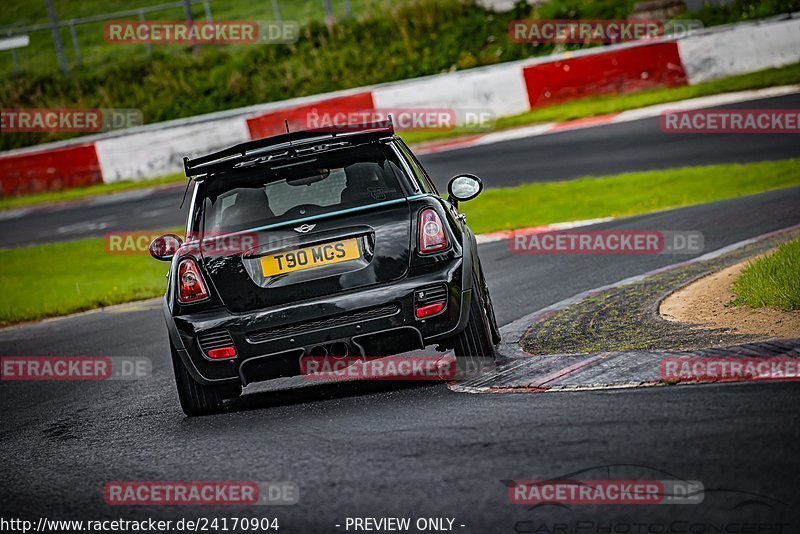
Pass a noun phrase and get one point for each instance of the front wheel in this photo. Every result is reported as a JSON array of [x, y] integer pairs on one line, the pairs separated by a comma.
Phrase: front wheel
[[474, 346], [195, 398]]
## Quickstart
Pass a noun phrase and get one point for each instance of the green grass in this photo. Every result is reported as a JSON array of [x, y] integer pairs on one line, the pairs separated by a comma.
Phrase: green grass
[[727, 12], [62, 278], [624, 194], [40, 56], [58, 279], [772, 281]]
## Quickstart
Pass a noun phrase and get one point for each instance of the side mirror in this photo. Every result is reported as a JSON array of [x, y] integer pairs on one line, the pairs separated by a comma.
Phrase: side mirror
[[163, 248], [463, 187]]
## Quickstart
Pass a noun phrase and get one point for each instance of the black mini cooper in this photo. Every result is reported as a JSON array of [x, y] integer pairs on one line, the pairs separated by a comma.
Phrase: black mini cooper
[[316, 243]]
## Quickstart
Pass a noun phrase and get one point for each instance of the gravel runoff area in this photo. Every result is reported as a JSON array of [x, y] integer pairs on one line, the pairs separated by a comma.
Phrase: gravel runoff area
[[626, 318], [707, 302]]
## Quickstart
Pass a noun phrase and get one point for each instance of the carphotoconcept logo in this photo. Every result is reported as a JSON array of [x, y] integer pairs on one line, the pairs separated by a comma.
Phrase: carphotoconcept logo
[[218, 32], [606, 242], [19, 120]]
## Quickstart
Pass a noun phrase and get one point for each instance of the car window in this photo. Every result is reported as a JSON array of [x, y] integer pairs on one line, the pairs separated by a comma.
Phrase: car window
[[421, 176], [291, 189]]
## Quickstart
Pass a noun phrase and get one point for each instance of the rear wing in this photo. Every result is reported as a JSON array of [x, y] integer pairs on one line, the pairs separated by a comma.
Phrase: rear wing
[[251, 150]]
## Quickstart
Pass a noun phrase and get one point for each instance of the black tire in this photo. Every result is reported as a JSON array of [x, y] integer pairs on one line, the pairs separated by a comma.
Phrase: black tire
[[489, 307], [195, 398], [473, 347]]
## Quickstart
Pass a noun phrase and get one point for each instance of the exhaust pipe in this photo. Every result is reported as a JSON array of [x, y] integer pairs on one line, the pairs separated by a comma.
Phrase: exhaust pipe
[[318, 352], [340, 349]]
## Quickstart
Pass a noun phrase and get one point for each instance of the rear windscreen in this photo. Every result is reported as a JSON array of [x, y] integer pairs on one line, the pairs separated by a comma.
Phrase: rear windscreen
[[295, 188]]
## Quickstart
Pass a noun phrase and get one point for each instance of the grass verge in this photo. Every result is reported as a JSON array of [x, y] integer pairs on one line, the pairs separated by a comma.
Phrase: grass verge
[[624, 194], [63, 278], [772, 281]]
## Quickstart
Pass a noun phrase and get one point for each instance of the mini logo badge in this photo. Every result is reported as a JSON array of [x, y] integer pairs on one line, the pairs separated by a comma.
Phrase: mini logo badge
[[305, 228]]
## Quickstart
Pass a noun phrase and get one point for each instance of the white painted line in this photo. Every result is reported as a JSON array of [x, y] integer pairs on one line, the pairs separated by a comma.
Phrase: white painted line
[[506, 234], [702, 102], [135, 194], [15, 213], [92, 225]]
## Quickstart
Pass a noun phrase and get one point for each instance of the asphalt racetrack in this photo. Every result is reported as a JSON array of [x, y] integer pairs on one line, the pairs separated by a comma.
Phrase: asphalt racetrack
[[384, 449]]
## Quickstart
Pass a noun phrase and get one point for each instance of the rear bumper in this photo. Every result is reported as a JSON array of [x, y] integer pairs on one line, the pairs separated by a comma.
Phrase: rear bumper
[[371, 321]]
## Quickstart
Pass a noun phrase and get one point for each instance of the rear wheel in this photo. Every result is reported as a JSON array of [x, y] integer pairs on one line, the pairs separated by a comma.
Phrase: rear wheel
[[195, 398], [489, 307], [474, 346]]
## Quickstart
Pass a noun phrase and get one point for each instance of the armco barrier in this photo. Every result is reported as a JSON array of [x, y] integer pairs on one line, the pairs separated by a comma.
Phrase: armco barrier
[[49, 170], [617, 71], [272, 122], [153, 153], [739, 49], [499, 89]]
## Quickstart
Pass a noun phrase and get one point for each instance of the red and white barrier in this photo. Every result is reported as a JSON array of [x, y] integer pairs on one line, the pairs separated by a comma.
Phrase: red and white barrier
[[616, 71], [274, 122], [49, 170], [506, 89], [499, 89], [152, 153]]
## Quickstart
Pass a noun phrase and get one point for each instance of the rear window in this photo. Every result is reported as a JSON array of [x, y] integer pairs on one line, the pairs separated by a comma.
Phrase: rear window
[[288, 189]]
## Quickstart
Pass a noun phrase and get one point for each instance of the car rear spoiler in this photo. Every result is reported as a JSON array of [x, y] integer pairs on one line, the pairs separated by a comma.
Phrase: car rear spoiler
[[229, 157]]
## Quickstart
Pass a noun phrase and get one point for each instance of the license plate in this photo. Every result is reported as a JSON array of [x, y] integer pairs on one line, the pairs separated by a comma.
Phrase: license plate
[[310, 257]]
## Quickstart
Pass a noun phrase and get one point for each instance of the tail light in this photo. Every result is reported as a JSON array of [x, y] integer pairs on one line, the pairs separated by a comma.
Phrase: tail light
[[222, 353], [428, 310], [191, 287], [432, 237]]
